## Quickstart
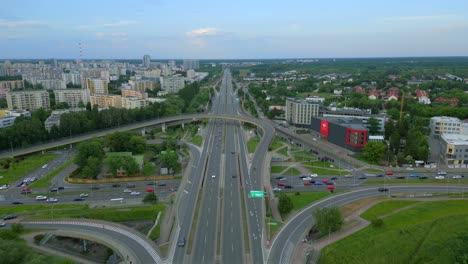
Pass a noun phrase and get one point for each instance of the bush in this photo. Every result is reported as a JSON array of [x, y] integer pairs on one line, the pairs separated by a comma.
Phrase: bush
[[285, 204], [38, 238], [377, 222], [150, 198], [328, 220], [17, 228], [297, 193]]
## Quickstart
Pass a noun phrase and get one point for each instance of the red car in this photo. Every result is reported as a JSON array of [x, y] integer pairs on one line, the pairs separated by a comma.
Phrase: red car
[[325, 181], [280, 184], [389, 173], [25, 191], [306, 183]]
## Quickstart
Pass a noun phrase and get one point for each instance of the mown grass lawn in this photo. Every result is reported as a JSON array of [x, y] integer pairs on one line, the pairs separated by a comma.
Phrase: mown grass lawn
[[197, 140], [428, 232], [252, 144], [384, 208], [23, 167], [277, 169], [292, 172], [305, 198], [322, 171], [275, 145], [283, 151]]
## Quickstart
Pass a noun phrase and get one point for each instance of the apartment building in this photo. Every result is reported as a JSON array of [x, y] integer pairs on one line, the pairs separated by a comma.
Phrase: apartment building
[[299, 112], [97, 86], [133, 93], [52, 84], [72, 97], [133, 102], [11, 85], [172, 84], [141, 85], [28, 100], [146, 60], [191, 64], [440, 125], [73, 78], [106, 101]]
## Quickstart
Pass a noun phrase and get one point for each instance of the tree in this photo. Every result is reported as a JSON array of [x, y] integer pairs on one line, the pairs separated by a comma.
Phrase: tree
[[328, 220], [374, 150], [150, 198], [373, 125], [126, 163], [285, 204], [92, 168], [86, 150], [137, 144], [395, 141], [170, 159]]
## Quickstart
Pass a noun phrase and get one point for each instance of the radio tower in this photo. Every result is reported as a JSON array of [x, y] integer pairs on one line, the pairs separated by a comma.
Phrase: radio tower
[[81, 52]]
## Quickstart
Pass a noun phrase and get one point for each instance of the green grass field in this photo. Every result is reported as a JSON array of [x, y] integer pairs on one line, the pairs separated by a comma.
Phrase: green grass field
[[275, 145], [277, 169], [384, 208], [252, 144], [115, 214], [46, 180], [305, 198], [283, 151], [18, 170], [292, 172], [322, 171], [197, 140], [428, 232]]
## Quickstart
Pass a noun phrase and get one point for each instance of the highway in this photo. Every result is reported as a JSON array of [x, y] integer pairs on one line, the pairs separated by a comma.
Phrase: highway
[[286, 240], [231, 227]]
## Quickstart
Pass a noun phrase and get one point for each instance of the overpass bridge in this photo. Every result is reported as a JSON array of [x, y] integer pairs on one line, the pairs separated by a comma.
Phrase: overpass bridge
[[265, 126]]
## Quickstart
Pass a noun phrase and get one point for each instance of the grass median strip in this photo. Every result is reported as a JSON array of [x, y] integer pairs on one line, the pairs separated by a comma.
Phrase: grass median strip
[[244, 223], [194, 223]]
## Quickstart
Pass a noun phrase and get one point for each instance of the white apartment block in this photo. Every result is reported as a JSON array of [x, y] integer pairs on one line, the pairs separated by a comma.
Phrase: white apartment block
[[300, 112], [133, 102], [74, 78], [172, 84], [72, 97], [52, 84], [97, 86], [28, 100], [440, 125]]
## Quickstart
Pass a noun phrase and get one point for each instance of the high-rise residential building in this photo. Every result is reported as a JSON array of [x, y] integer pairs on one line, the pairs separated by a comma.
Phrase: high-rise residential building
[[454, 150], [72, 97], [191, 64], [133, 93], [11, 85], [146, 60], [141, 85], [52, 84], [106, 101], [73, 78], [172, 64], [440, 125], [133, 102], [97, 86], [28, 100], [172, 84], [299, 112]]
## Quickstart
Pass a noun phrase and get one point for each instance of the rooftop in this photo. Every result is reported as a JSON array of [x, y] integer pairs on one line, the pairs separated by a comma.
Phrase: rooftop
[[455, 139]]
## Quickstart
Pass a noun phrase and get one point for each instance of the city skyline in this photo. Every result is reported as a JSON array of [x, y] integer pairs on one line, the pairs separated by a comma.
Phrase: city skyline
[[246, 30]]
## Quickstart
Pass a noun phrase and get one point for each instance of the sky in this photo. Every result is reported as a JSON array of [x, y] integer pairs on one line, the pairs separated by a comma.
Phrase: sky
[[241, 29]]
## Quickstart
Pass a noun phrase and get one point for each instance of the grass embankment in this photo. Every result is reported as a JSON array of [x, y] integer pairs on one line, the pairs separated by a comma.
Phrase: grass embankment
[[278, 169], [426, 232], [275, 145], [197, 140], [23, 167], [272, 226], [120, 214], [46, 180], [252, 144], [304, 199]]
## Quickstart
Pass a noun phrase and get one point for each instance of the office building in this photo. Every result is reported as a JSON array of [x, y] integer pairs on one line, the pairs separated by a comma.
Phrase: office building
[[299, 112], [97, 86], [28, 100], [349, 133], [363, 114], [146, 60], [172, 84], [440, 125], [191, 64], [454, 150], [72, 97]]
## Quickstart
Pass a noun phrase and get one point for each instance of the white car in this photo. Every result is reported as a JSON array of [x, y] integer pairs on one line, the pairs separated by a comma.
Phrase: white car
[[2, 224], [127, 191], [276, 189], [41, 198], [457, 177], [135, 193], [314, 175], [213, 176], [410, 169], [307, 179], [439, 177], [442, 173], [84, 195], [5, 186], [52, 200]]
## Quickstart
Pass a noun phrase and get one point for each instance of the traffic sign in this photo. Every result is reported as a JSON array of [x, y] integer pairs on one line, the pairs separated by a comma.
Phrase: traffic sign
[[272, 223], [257, 194]]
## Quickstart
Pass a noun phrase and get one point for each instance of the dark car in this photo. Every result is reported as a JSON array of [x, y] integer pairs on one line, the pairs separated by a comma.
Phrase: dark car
[[9, 217], [379, 175], [61, 188], [151, 183], [130, 185], [330, 183], [78, 199], [95, 188], [302, 177], [383, 189], [401, 177], [362, 178], [279, 177], [234, 176], [312, 181], [53, 190], [181, 242], [162, 184], [288, 187], [334, 178], [17, 202], [422, 177], [116, 185]]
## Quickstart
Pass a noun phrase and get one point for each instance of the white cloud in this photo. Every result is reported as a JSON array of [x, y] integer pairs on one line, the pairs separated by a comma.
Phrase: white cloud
[[113, 24], [21, 23], [201, 32], [419, 18]]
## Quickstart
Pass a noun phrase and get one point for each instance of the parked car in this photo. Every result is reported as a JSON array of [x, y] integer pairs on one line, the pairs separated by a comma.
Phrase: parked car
[[288, 187], [330, 183], [306, 183], [389, 173], [280, 184], [383, 189], [9, 217], [5, 186], [41, 198], [318, 183], [441, 173], [307, 179], [439, 177]]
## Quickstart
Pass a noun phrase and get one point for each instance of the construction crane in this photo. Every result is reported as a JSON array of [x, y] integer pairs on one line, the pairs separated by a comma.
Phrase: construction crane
[[402, 104]]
